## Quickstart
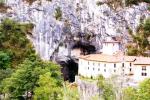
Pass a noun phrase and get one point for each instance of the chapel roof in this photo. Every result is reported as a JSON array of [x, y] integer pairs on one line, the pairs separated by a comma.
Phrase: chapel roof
[[116, 58]]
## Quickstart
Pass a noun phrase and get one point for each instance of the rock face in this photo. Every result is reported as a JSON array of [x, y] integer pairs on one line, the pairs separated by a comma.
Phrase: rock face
[[87, 90], [53, 38]]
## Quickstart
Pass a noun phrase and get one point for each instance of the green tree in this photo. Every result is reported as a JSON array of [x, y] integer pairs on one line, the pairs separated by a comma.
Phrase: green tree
[[4, 60], [130, 93], [13, 39], [106, 89], [108, 93], [144, 90], [140, 93], [49, 88], [25, 78], [22, 72], [4, 73], [101, 81], [140, 39]]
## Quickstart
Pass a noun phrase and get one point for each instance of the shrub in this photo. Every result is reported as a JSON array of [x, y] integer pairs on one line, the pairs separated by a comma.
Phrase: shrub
[[13, 38], [98, 3], [4, 60], [131, 2], [135, 2], [58, 13]]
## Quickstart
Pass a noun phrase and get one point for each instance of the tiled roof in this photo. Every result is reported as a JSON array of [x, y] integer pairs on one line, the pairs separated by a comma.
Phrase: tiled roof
[[116, 59], [142, 61], [130, 58], [101, 58]]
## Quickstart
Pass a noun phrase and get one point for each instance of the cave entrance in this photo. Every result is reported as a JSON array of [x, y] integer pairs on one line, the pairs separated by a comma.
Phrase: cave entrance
[[69, 70]]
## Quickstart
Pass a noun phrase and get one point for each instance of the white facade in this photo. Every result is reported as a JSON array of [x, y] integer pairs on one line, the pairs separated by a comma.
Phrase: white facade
[[141, 72], [110, 47], [91, 68]]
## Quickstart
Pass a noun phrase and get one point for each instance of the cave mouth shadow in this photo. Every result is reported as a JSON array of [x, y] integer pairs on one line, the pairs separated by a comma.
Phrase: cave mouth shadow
[[70, 67], [69, 70], [85, 47]]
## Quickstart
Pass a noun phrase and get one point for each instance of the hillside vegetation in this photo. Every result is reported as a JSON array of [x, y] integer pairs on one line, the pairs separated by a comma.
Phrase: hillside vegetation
[[141, 41], [22, 72]]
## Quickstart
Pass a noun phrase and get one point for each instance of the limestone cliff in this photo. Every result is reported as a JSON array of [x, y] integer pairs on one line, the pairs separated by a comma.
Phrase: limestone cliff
[[78, 17]]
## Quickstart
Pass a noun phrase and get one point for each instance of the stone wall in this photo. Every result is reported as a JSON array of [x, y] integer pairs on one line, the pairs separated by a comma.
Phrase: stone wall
[[87, 90]]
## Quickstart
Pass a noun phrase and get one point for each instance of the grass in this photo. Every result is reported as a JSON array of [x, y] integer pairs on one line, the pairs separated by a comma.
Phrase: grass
[[87, 79]]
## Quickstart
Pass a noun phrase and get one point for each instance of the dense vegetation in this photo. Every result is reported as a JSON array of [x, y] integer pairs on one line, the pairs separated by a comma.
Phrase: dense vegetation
[[22, 72], [106, 91], [111, 90], [140, 44], [13, 41], [140, 93], [23, 75]]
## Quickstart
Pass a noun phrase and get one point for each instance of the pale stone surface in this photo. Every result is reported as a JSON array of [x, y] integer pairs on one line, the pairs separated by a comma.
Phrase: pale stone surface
[[83, 15]]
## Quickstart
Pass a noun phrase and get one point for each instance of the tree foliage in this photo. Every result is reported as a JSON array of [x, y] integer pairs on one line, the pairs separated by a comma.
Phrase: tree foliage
[[4, 60], [29, 76], [22, 72], [13, 40], [106, 89], [144, 90], [129, 93], [140, 39], [140, 93], [49, 88]]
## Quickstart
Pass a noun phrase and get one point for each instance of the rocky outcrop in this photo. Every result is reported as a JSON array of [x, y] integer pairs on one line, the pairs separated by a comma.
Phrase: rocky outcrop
[[87, 90], [63, 25], [56, 37]]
